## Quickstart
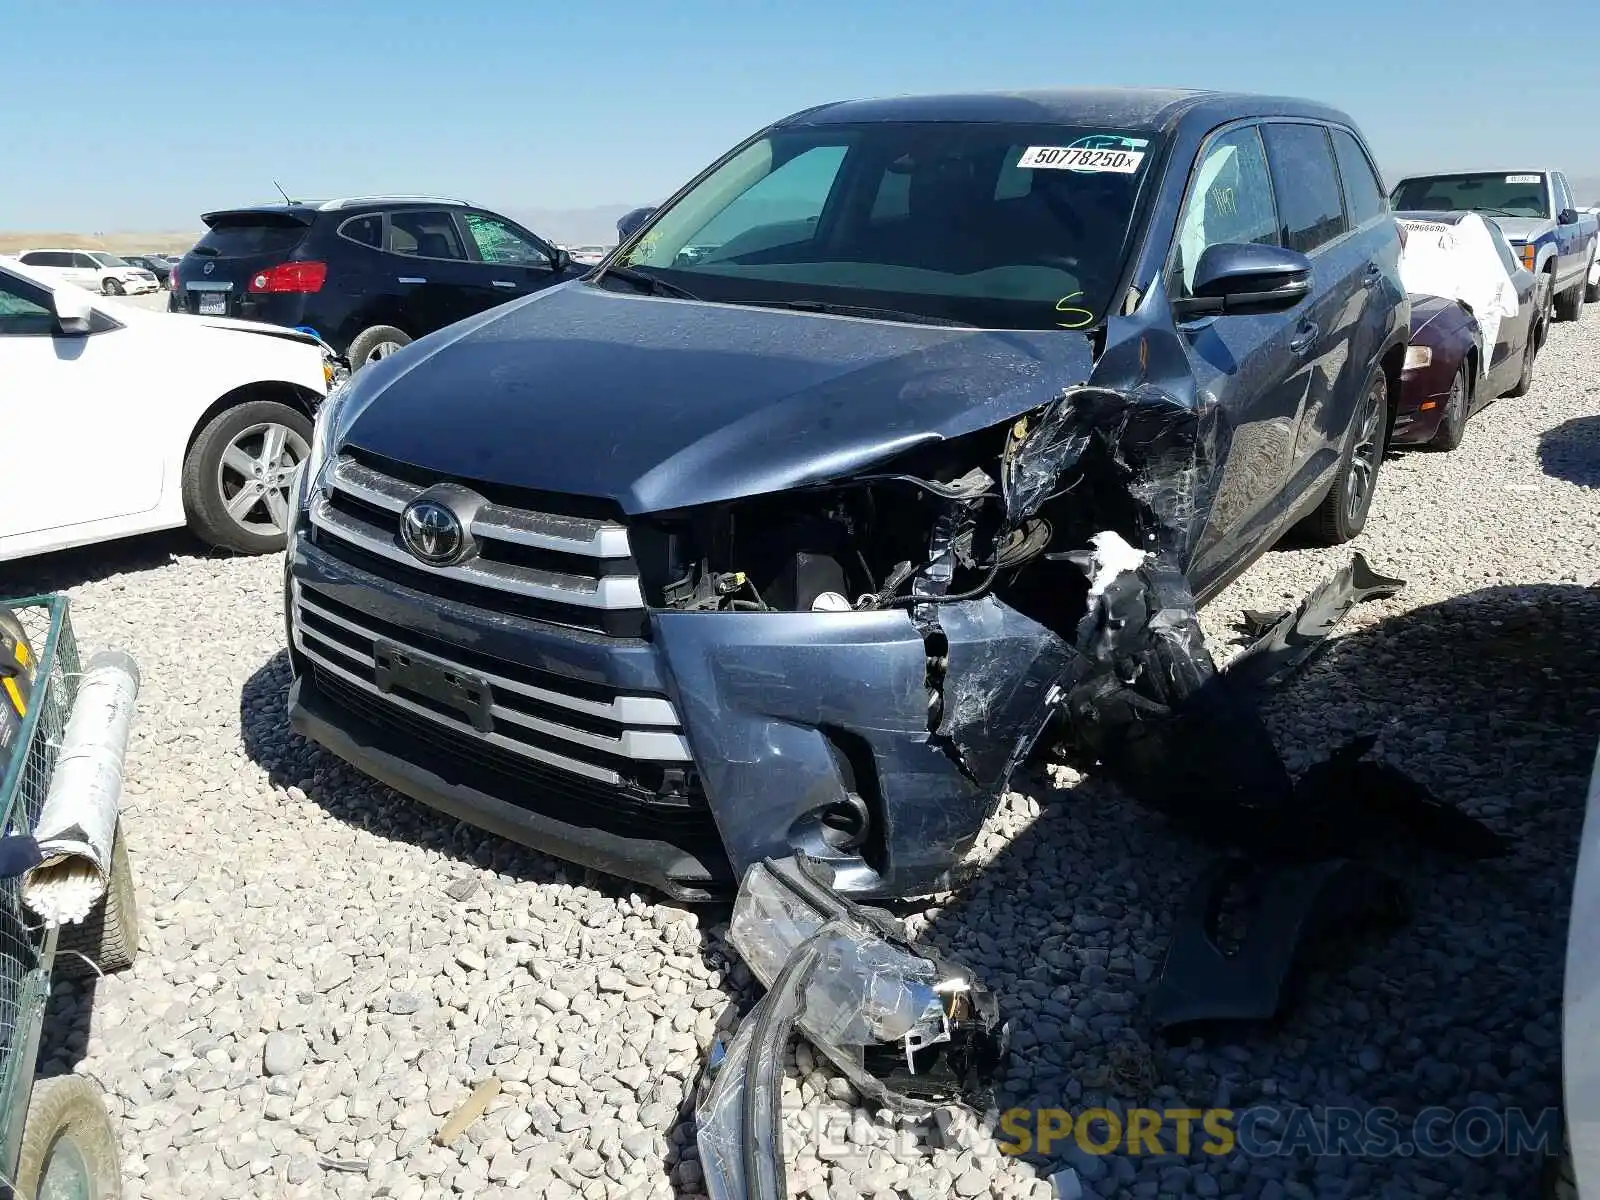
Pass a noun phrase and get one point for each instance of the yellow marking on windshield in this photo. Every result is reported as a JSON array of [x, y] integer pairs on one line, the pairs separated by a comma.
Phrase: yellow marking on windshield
[[1081, 317]]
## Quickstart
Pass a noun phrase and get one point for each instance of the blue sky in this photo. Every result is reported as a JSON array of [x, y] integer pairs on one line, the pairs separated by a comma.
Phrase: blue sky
[[122, 115]]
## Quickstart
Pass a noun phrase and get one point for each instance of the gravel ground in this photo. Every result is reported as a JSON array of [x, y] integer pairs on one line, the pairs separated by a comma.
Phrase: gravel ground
[[328, 969]]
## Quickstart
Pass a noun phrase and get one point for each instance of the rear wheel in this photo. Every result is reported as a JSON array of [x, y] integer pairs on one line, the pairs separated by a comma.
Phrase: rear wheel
[[1591, 287], [69, 1148], [111, 287], [237, 476], [1453, 425], [1343, 511], [376, 343]]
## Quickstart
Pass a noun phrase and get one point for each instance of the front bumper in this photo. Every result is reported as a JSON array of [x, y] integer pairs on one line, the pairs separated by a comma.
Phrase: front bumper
[[791, 720], [1422, 403]]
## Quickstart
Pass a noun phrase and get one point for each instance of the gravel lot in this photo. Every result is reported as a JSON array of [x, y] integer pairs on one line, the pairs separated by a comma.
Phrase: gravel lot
[[328, 969]]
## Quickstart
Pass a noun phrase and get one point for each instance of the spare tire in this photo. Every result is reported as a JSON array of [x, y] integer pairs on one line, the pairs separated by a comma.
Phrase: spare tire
[[68, 1145]]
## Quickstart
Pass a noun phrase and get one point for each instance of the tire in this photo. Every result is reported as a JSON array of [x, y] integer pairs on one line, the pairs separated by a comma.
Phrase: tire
[[1343, 511], [1530, 352], [1453, 425], [68, 1141], [378, 342], [1569, 304], [111, 287], [109, 936], [214, 478], [1591, 291]]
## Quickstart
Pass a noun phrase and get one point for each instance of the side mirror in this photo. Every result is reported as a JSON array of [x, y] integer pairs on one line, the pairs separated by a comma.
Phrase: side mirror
[[1239, 279], [1567, 216], [560, 260], [73, 311], [629, 223]]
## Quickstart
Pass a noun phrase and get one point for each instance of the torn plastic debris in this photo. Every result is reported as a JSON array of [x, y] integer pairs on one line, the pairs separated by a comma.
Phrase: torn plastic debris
[[908, 1028]]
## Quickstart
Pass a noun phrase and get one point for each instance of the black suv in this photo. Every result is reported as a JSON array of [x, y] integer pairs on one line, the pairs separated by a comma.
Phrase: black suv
[[368, 275]]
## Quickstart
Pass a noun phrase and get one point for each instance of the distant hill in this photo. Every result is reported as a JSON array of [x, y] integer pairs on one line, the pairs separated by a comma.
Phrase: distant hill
[[595, 226], [114, 243]]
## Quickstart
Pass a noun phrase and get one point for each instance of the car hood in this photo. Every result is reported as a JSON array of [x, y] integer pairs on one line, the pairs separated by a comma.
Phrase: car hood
[[1520, 229], [1425, 310], [660, 404]]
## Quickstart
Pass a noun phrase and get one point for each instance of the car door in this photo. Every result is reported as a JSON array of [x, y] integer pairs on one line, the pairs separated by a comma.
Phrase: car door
[[85, 271], [509, 261], [1505, 365], [435, 279], [1254, 368], [1353, 293], [88, 455]]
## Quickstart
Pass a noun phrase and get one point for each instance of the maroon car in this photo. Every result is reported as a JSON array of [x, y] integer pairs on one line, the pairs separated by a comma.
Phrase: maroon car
[[1442, 384]]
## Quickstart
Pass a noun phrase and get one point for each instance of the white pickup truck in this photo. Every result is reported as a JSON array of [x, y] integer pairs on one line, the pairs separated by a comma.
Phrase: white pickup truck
[[1555, 239]]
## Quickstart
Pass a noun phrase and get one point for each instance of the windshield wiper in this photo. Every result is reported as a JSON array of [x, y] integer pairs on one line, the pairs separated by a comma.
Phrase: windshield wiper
[[645, 282], [1501, 212], [855, 310]]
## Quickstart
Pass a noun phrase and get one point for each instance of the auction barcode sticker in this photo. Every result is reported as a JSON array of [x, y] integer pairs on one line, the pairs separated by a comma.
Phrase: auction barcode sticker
[[1080, 158], [1522, 179]]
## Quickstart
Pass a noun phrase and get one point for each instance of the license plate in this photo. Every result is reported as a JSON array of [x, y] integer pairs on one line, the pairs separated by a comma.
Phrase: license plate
[[395, 668], [213, 304]]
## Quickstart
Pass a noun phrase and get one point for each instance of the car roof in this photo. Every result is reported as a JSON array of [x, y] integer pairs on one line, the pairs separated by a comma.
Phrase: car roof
[[1154, 109], [308, 210]]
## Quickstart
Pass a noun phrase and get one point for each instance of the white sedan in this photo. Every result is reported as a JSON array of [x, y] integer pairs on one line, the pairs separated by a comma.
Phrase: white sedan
[[121, 421]]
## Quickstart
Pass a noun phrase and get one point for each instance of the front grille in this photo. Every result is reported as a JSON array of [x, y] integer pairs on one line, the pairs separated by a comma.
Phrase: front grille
[[570, 798], [555, 567], [521, 718]]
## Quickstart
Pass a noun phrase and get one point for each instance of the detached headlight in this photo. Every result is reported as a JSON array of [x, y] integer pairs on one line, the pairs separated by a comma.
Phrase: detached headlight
[[1418, 357]]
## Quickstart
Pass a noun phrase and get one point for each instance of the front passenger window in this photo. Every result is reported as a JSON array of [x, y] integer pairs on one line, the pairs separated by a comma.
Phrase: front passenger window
[[1229, 202]]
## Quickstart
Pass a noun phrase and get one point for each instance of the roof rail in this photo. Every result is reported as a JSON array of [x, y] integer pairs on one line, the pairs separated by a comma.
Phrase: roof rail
[[352, 201]]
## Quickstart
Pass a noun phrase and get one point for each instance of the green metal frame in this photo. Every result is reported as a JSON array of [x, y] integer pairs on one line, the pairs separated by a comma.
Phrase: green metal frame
[[27, 949]]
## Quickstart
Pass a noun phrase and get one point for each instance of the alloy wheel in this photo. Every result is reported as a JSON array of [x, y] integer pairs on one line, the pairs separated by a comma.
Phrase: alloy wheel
[[255, 474], [383, 350], [1364, 459]]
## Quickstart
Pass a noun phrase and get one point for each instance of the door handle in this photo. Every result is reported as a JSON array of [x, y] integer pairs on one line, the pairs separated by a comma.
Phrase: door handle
[[412, 279], [1305, 337], [1372, 274], [504, 283]]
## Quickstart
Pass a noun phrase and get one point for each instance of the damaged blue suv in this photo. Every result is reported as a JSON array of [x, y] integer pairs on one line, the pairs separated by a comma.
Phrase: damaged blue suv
[[777, 531]]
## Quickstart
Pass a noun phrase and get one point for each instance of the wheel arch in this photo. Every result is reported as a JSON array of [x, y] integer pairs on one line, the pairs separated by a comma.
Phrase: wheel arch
[[1391, 363], [298, 397]]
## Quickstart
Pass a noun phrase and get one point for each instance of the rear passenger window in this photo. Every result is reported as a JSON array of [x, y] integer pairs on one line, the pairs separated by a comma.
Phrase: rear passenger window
[[365, 231], [1310, 205], [1363, 194], [423, 234], [1229, 202]]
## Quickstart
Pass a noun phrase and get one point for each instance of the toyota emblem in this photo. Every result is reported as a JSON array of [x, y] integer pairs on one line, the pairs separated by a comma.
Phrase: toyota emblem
[[432, 532]]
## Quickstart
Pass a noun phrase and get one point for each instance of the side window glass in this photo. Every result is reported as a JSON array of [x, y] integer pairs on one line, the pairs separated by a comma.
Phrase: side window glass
[[364, 231], [1310, 204], [1363, 195], [423, 234], [497, 242], [32, 260], [1229, 202], [22, 314], [893, 201], [83, 260]]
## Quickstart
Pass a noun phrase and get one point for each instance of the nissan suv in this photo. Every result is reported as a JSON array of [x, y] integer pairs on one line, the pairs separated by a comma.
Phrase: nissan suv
[[368, 275], [776, 531]]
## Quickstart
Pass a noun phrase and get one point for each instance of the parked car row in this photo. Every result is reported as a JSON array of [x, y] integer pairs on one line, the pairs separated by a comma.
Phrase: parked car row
[[95, 270]]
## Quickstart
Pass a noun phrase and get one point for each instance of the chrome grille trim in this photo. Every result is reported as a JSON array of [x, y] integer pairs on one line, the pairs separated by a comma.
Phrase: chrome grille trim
[[606, 591], [543, 531], [662, 744]]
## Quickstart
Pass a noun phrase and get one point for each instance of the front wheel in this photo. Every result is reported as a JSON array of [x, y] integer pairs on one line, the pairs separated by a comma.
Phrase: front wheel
[[1343, 511], [237, 475], [69, 1148], [1453, 424], [111, 287], [1569, 304]]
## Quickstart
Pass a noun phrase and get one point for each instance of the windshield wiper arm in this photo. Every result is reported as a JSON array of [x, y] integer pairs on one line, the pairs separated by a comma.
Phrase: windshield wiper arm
[[644, 281], [855, 310]]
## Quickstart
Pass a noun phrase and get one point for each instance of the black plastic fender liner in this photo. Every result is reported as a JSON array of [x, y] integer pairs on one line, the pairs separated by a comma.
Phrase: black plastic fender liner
[[1289, 907]]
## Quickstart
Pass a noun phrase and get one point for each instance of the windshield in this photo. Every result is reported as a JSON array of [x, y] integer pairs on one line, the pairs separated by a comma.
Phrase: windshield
[[108, 260], [999, 226], [1495, 193]]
